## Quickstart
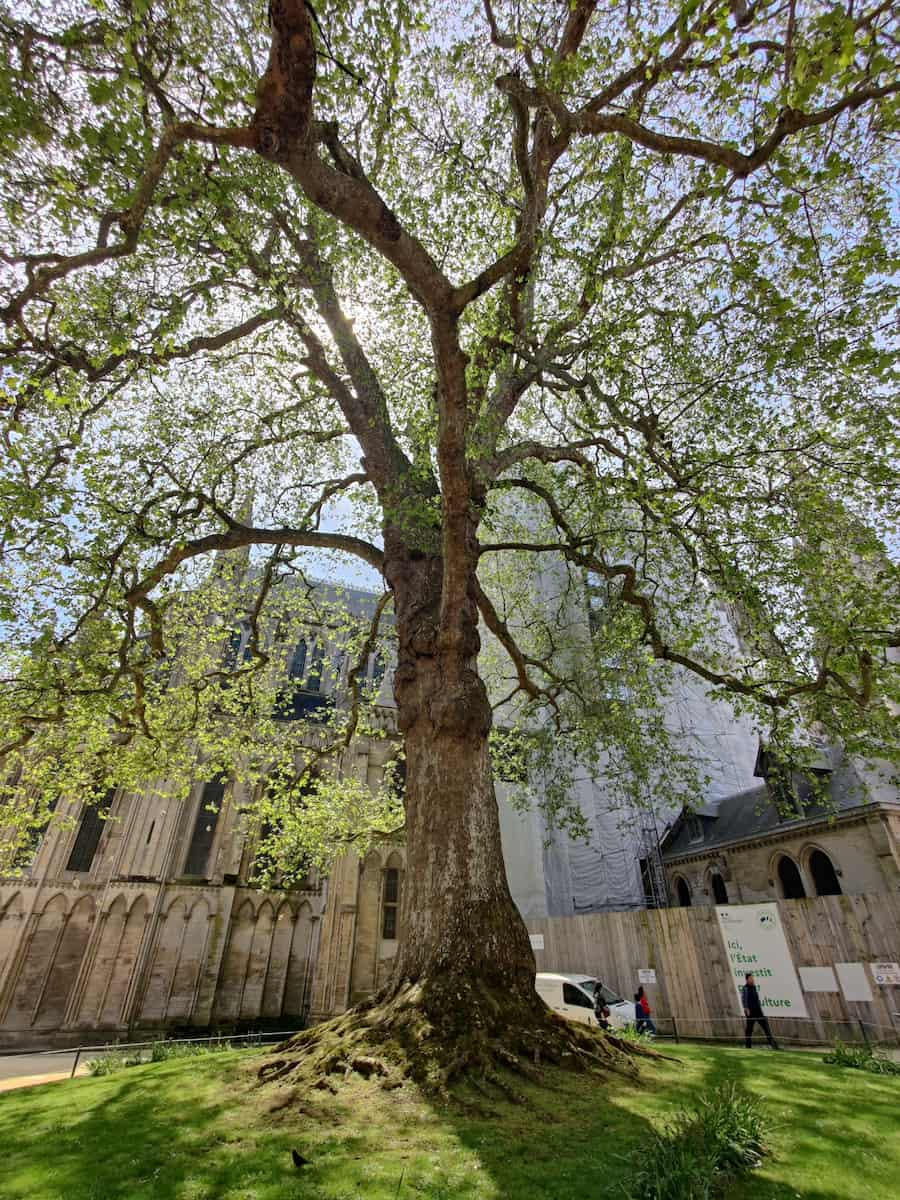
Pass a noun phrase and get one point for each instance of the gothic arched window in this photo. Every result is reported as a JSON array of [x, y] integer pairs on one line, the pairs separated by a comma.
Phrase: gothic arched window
[[719, 890], [683, 892], [377, 669], [316, 661], [390, 904], [93, 821]]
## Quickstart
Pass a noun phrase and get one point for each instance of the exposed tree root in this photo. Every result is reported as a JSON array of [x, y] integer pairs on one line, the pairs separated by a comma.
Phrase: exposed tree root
[[447, 1032]]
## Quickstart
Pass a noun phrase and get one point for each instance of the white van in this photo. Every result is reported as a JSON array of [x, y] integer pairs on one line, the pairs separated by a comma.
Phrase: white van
[[573, 997]]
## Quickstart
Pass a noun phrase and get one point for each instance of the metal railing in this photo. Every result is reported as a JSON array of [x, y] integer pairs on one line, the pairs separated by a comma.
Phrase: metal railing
[[232, 1040], [790, 1031], [723, 1030]]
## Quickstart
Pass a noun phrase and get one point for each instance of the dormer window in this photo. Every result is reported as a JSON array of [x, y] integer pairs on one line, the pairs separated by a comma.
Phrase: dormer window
[[695, 829], [317, 659], [297, 668]]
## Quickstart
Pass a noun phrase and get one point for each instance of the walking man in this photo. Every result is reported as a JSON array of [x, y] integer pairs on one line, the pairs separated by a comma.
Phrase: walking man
[[753, 1012]]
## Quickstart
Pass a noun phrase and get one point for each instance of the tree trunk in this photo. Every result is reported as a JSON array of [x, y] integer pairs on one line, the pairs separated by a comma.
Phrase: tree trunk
[[461, 1002], [458, 920]]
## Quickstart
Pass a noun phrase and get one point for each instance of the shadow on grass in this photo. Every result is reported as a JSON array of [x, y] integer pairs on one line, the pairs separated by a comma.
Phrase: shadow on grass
[[138, 1140], [834, 1131], [203, 1131], [593, 1130]]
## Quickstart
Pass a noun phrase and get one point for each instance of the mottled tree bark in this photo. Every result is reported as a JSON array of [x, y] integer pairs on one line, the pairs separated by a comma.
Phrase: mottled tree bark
[[457, 916]]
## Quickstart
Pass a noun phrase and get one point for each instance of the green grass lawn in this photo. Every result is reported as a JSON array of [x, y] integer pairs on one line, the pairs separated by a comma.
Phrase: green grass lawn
[[201, 1129]]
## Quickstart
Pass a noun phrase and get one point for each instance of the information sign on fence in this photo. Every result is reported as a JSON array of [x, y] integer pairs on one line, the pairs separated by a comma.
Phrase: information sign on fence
[[885, 974], [647, 975], [755, 941]]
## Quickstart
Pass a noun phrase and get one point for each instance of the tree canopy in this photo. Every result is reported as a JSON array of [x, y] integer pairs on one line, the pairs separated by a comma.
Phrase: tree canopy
[[572, 300]]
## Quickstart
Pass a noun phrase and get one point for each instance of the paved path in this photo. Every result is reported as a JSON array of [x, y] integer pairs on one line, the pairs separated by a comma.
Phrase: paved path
[[25, 1081], [25, 1070], [14, 1066]]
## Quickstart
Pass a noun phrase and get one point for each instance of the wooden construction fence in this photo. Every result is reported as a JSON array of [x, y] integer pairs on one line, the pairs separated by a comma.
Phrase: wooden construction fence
[[694, 985]]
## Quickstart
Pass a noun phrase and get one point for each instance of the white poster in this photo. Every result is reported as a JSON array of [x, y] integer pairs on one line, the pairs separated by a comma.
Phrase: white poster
[[817, 979], [854, 982], [754, 941], [537, 941], [647, 975]]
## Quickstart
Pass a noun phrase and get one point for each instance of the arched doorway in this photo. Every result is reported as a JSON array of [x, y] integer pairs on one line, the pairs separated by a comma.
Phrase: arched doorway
[[823, 874], [719, 890], [683, 892], [789, 877]]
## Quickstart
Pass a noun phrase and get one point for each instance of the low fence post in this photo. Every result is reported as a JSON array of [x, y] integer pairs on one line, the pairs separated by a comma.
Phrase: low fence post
[[862, 1026], [674, 1029], [75, 1063]]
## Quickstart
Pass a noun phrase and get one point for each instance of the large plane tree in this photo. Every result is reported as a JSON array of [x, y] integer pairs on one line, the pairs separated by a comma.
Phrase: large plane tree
[[603, 293]]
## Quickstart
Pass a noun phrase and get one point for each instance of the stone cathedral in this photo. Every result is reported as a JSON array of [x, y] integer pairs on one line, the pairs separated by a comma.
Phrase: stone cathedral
[[147, 919]]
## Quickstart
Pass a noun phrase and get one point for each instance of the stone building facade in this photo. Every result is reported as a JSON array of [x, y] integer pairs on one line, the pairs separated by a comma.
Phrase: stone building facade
[[147, 920], [150, 920], [748, 849], [359, 929]]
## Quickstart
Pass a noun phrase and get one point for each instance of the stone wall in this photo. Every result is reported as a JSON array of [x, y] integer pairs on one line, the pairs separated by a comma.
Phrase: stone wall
[[355, 960]]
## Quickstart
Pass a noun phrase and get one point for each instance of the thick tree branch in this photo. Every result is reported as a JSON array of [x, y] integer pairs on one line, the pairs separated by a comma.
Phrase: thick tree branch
[[534, 164], [569, 452], [287, 134], [505, 41], [364, 406], [359, 668], [371, 425], [83, 363], [234, 538], [502, 633], [586, 122]]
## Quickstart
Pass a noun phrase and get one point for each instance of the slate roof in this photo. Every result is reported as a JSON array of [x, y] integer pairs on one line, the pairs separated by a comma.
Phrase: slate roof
[[754, 813]]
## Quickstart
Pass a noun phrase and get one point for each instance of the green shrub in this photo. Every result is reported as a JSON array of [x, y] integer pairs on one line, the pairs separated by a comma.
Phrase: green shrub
[[107, 1065], [674, 1166], [861, 1058], [702, 1149], [733, 1125], [162, 1051], [629, 1033], [159, 1052]]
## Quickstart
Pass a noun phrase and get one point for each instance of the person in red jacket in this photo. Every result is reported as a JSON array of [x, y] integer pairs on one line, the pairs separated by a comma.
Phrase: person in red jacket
[[642, 1019]]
